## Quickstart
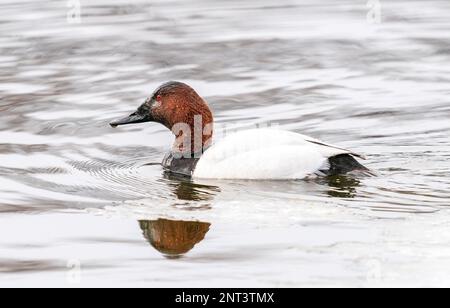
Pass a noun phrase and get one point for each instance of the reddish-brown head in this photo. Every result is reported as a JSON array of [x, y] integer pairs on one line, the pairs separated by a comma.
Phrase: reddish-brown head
[[178, 107]]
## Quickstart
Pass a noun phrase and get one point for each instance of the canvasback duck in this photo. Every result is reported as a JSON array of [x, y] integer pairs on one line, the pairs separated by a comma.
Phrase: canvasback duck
[[257, 154]]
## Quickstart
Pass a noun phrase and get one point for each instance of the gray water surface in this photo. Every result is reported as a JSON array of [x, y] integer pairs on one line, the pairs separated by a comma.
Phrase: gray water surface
[[76, 191]]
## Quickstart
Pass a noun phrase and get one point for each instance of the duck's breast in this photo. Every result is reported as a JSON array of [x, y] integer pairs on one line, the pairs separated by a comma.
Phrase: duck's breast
[[265, 154]]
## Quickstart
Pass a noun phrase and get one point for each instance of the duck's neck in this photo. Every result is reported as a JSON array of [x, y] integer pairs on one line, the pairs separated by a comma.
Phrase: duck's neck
[[192, 140]]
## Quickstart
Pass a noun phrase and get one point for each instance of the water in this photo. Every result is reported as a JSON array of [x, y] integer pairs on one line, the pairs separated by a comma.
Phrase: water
[[78, 194]]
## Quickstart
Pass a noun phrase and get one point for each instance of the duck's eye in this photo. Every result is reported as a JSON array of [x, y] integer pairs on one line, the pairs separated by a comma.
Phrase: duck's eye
[[159, 98]]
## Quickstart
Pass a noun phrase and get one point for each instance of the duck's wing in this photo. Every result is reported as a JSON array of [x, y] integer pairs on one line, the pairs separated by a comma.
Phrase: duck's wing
[[327, 145], [266, 154]]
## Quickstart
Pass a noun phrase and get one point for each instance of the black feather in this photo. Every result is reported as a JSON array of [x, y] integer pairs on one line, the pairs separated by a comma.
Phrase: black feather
[[342, 164]]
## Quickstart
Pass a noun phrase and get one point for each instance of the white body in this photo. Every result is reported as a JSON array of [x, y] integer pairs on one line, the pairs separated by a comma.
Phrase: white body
[[266, 154]]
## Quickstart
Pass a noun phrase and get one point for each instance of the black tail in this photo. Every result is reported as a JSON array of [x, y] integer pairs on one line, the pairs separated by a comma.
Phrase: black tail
[[344, 163]]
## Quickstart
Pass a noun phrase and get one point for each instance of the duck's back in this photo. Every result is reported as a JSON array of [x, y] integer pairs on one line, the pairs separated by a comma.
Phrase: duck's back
[[264, 154]]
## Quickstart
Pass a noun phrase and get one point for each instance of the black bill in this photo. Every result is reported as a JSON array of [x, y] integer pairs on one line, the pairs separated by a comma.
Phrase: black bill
[[131, 119]]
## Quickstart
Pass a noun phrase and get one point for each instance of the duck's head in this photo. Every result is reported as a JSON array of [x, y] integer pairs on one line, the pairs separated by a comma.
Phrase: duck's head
[[179, 108]]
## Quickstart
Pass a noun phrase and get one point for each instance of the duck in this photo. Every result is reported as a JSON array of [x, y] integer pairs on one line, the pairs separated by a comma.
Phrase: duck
[[254, 154]]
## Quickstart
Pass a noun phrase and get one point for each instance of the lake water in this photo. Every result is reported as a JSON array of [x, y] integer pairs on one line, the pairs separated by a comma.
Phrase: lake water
[[82, 204]]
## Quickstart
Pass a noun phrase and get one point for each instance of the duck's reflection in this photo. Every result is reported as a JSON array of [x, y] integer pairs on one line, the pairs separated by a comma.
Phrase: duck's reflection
[[185, 189], [174, 238], [342, 186]]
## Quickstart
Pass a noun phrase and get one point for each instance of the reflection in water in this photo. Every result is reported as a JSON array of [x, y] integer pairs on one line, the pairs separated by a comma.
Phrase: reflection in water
[[185, 189], [382, 90], [173, 238], [342, 186]]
